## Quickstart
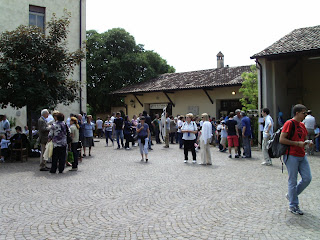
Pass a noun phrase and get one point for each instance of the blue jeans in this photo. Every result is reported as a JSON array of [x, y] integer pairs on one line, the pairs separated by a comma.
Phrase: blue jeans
[[108, 136], [247, 146], [294, 166], [180, 139], [317, 143], [143, 147], [119, 134]]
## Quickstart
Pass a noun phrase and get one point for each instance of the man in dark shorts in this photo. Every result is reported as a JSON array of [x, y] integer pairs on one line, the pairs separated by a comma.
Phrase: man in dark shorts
[[233, 135]]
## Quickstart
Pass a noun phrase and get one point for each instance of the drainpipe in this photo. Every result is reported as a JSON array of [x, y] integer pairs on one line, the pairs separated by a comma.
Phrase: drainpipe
[[260, 71], [260, 68], [80, 45]]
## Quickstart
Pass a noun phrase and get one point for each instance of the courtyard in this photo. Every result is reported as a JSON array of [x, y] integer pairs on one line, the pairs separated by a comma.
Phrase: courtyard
[[115, 196]]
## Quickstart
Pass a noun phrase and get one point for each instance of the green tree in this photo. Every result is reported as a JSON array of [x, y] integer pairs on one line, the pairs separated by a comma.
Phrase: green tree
[[35, 67], [114, 60], [249, 89]]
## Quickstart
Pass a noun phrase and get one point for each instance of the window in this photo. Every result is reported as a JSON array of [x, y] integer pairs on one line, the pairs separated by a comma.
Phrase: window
[[37, 16]]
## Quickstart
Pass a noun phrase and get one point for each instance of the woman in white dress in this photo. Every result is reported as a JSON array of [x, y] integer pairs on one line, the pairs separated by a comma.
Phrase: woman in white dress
[[205, 138]]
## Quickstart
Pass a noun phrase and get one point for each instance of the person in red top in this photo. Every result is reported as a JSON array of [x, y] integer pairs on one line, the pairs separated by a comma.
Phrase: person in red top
[[296, 160]]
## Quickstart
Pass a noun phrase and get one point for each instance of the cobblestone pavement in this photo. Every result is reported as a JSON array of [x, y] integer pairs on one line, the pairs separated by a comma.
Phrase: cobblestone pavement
[[115, 196]]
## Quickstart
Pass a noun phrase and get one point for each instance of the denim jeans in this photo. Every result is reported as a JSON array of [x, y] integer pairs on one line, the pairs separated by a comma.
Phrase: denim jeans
[[247, 146], [317, 143], [294, 166], [143, 147], [108, 136], [180, 139], [119, 134]]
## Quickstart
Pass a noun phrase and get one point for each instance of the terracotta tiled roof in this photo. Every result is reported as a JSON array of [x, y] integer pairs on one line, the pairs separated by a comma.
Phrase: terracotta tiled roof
[[299, 40], [218, 77]]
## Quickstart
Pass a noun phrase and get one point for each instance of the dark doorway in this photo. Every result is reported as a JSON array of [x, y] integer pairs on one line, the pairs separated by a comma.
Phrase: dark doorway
[[227, 106]]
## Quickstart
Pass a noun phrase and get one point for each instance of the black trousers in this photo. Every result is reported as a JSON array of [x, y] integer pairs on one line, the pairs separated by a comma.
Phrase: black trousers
[[74, 147], [189, 144], [128, 139], [172, 136], [156, 133], [59, 154]]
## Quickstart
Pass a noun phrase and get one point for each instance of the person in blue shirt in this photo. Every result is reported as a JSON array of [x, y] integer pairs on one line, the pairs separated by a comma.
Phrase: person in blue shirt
[[246, 135], [88, 129], [4, 147]]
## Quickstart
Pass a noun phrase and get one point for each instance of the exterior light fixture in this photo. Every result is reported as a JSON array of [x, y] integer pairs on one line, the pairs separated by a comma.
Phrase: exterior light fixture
[[132, 103], [233, 93]]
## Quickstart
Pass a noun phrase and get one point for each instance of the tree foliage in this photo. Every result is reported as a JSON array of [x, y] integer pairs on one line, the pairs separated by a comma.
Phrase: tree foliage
[[249, 89], [114, 60], [35, 67]]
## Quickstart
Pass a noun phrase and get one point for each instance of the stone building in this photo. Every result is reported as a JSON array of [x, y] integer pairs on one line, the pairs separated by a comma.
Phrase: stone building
[[214, 91], [37, 12]]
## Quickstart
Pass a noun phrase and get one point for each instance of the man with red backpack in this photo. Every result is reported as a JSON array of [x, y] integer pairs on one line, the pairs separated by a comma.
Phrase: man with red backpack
[[295, 158]]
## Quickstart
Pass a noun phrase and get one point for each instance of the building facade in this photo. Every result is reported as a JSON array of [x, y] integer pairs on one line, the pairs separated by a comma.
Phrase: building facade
[[14, 13], [289, 73], [214, 91]]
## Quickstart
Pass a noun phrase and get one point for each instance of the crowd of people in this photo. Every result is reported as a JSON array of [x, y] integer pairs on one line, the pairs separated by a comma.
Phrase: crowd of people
[[190, 132]]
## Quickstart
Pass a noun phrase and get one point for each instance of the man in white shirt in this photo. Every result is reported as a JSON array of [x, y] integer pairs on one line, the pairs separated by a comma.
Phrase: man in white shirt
[[267, 133], [223, 133], [179, 125], [310, 123], [189, 130], [99, 123]]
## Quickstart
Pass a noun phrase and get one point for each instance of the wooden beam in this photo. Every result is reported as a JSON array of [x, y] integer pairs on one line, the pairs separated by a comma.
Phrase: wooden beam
[[169, 99], [208, 95], [135, 95]]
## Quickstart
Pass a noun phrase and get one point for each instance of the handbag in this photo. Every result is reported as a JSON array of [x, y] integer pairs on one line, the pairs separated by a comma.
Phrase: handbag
[[48, 152], [70, 157]]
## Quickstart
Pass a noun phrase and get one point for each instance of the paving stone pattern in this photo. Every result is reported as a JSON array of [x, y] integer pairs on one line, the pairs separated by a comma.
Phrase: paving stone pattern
[[115, 196]]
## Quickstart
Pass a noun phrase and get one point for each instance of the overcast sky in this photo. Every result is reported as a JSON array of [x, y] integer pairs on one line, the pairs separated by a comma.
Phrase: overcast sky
[[189, 34]]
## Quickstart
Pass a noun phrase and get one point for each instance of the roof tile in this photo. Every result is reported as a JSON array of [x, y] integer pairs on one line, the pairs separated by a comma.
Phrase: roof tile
[[217, 77], [302, 39]]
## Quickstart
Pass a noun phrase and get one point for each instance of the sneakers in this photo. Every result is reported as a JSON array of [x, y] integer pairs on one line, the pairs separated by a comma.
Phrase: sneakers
[[194, 161], [127, 148], [185, 161], [230, 156], [266, 163], [287, 196], [295, 210], [236, 156], [73, 169]]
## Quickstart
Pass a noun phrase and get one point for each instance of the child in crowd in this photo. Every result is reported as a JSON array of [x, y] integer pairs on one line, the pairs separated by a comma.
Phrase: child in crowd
[[4, 147]]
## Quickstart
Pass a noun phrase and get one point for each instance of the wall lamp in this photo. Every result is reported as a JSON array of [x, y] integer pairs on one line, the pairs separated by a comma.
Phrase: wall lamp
[[132, 103]]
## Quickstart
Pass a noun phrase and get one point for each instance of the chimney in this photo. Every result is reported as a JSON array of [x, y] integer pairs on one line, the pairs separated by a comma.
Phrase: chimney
[[220, 61]]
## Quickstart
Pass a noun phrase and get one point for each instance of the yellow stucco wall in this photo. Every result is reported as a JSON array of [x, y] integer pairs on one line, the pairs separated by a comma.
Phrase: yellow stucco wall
[[16, 12], [183, 100]]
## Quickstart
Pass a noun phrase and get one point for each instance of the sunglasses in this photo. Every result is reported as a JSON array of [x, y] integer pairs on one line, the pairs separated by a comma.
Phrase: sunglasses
[[305, 113]]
